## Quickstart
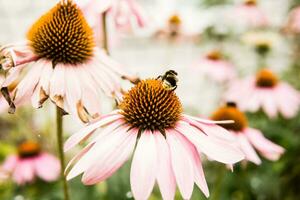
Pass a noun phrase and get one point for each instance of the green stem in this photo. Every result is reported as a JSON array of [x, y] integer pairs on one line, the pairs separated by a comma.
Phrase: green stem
[[59, 132], [216, 195], [105, 32]]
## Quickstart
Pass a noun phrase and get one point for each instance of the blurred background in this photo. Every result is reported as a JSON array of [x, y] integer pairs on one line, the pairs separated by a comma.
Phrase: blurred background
[[201, 26]]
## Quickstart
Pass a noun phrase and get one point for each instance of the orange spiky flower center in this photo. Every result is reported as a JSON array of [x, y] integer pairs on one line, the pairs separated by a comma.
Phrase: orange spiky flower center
[[266, 79], [62, 35], [231, 112], [214, 55], [148, 105], [28, 149]]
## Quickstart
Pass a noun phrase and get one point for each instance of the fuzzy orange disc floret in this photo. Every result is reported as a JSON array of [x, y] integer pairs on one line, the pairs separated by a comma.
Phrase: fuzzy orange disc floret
[[265, 78], [250, 2], [149, 106], [62, 35], [28, 149], [230, 112], [214, 55]]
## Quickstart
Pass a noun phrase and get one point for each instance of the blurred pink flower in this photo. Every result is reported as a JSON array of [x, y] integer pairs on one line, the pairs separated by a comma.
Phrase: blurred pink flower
[[31, 162], [267, 92], [247, 138], [126, 14], [71, 70], [168, 149], [176, 27], [293, 23], [249, 14], [215, 67]]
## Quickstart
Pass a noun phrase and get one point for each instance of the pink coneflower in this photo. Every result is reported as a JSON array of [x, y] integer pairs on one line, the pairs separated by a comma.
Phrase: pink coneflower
[[248, 138], [168, 148], [216, 67], [267, 92], [66, 65], [249, 14], [293, 23], [126, 14], [31, 162], [175, 28]]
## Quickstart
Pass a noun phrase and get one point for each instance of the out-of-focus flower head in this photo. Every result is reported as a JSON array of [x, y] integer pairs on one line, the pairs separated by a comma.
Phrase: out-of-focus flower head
[[262, 41], [215, 66], [293, 21], [176, 26], [31, 162], [248, 15], [265, 91], [248, 138], [66, 65], [126, 15], [169, 144]]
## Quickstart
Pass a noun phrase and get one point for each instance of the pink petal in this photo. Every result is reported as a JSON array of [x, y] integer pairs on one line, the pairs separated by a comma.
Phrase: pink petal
[[88, 130], [165, 175], [73, 89], [58, 82], [99, 149], [248, 149], [288, 100], [78, 156], [47, 167], [181, 163], [213, 130], [13, 74], [10, 163], [268, 104], [199, 173], [26, 87], [24, 171], [46, 76], [267, 148], [143, 168], [189, 118], [216, 149], [111, 160]]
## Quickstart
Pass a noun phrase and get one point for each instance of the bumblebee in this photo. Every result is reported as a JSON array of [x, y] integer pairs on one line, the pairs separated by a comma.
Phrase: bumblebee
[[169, 80]]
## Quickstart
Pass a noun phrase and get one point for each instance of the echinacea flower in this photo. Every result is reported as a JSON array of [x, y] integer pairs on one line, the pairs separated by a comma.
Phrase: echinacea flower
[[249, 14], [262, 41], [293, 23], [126, 14], [175, 27], [248, 138], [215, 67], [168, 143], [267, 92], [66, 65], [31, 162]]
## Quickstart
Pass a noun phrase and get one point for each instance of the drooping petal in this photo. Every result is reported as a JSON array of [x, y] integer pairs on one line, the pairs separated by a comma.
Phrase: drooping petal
[[26, 87], [248, 149], [111, 160], [47, 167], [267, 148], [10, 163], [143, 168], [199, 173], [181, 163], [86, 132], [24, 171], [268, 103], [165, 175], [216, 149], [100, 148]]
